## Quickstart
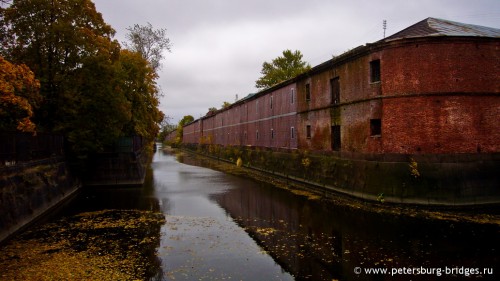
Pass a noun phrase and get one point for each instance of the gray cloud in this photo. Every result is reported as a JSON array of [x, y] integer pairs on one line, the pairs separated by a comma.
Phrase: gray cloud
[[219, 45]]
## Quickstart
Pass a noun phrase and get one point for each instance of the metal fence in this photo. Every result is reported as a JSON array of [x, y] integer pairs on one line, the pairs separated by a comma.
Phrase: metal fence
[[16, 147]]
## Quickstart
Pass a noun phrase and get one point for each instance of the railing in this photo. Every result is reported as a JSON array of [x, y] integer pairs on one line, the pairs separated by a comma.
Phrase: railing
[[17, 147]]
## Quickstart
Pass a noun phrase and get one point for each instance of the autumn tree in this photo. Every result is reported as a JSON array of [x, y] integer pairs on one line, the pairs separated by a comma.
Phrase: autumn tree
[[70, 49], [281, 69], [19, 95], [149, 42], [55, 38], [140, 89]]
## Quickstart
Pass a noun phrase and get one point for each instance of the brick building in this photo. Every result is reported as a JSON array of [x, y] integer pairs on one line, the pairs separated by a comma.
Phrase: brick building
[[431, 90]]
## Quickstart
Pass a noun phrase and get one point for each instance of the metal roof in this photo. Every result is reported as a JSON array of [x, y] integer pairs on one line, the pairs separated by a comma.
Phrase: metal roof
[[440, 27]]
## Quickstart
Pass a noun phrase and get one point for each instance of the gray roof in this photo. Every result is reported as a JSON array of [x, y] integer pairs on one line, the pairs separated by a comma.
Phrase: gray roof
[[440, 27]]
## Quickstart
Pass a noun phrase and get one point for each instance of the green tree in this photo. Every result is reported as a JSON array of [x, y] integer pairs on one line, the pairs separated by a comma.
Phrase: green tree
[[226, 104], [97, 108], [184, 121], [281, 69], [19, 95], [149, 42]]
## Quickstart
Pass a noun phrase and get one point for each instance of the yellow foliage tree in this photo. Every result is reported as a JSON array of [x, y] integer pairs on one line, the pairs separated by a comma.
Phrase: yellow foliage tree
[[19, 95]]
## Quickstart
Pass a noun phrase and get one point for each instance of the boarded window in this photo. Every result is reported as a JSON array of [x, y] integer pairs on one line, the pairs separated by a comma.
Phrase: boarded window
[[308, 131], [375, 71], [292, 96], [308, 92], [335, 90], [375, 127]]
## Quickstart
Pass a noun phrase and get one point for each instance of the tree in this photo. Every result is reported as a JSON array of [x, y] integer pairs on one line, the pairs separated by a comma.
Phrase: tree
[[150, 43], [70, 49], [184, 121], [54, 39], [166, 127], [19, 95], [281, 69], [139, 87], [226, 104]]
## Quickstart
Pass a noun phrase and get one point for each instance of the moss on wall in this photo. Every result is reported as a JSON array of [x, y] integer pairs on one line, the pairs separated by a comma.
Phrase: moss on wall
[[413, 179]]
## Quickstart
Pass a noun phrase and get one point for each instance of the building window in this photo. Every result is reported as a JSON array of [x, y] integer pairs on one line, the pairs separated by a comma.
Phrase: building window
[[257, 133], [256, 107], [335, 91], [375, 71], [272, 133], [308, 131], [308, 92], [336, 138], [292, 96], [292, 132], [271, 102], [375, 127]]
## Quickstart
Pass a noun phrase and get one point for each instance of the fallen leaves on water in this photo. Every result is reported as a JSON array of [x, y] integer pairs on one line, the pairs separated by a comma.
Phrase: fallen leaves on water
[[104, 245]]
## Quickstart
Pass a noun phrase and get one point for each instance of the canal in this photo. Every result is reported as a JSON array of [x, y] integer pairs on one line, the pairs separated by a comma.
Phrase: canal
[[224, 227]]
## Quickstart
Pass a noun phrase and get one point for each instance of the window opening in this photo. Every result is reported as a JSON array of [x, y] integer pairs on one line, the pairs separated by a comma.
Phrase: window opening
[[335, 91], [375, 71], [336, 138], [375, 127]]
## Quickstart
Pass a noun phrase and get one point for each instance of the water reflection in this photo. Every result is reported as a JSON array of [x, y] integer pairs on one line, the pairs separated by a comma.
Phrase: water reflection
[[220, 226], [316, 240]]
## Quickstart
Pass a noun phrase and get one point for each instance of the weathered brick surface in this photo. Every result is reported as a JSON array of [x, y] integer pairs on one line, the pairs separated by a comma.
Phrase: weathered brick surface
[[265, 120], [436, 95], [442, 124]]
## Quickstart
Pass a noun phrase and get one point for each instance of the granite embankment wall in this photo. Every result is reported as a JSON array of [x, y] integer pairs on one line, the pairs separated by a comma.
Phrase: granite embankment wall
[[28, 190], [444, 179]]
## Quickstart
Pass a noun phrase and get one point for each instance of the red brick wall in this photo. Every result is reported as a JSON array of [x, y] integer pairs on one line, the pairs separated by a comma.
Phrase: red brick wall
[[464, 72], [436, 95], [462, 114], [446, 124], [442, 66], [239, 124]]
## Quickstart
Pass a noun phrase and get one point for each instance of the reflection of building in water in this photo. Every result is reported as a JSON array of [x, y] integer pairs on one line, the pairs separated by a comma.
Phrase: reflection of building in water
[[317, 240]]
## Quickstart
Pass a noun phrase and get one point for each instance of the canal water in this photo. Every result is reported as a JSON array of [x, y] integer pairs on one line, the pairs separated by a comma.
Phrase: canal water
[[224, 227]]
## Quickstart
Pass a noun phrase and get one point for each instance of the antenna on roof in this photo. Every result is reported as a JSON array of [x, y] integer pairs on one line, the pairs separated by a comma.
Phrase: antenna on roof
[[384, 25]]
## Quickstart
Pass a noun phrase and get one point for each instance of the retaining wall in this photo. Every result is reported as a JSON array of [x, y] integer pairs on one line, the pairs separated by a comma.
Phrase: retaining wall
[[28, 190], [444, 179]]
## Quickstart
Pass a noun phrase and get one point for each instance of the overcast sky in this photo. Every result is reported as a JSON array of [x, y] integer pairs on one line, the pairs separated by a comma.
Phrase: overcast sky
[[219, 45]]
